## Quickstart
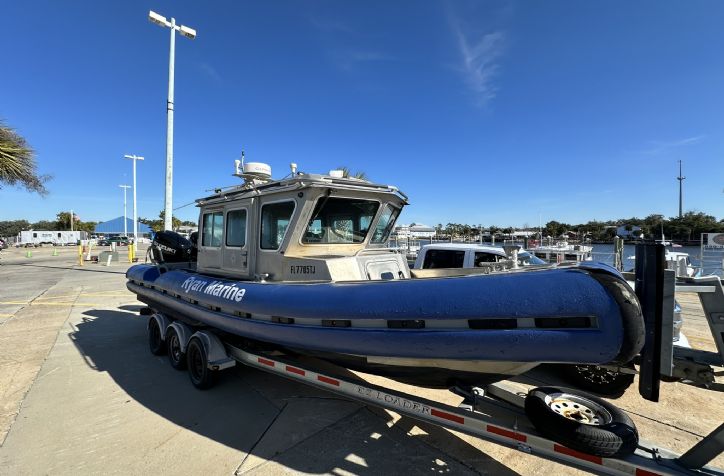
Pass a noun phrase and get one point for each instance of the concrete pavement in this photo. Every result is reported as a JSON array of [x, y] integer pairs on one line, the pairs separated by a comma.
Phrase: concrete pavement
[[83, 395]]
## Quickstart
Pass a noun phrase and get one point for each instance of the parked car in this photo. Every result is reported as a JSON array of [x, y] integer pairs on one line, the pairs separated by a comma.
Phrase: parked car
[[468, 255], [120, 240]]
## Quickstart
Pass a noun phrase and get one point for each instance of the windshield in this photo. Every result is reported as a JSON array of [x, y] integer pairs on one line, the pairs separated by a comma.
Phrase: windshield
[[385, 224], [529, 258], [340, 221]]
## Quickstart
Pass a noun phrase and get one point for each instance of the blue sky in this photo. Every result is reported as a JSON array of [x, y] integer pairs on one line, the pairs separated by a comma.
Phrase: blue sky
[[482, 112]]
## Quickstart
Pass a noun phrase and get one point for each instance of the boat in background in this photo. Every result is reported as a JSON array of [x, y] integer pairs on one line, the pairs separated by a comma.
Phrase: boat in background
[[562, 252]]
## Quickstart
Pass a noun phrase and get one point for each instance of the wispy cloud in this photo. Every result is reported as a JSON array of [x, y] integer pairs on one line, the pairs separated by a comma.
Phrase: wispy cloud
[[480, 55], [658, 147], [350, 59], [210, 71], [347, 47]]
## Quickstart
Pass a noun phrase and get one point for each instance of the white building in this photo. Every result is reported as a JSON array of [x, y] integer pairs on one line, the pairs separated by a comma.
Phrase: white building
[[414, 231]]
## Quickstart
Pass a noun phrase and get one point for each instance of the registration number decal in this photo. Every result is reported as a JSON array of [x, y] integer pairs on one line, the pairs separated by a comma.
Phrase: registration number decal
[[302, 269]]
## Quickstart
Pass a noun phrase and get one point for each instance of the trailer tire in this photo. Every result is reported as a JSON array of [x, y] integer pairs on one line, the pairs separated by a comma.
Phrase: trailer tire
[[155, 342], [176, 356], [597, 379], [581, 421], [202, 377]]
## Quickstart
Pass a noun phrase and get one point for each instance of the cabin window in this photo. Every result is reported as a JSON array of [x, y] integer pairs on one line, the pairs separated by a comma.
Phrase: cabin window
[[444, 259], [275, 219], [213, 229], [236, 228], [385, 224], [58, 235], [340, 221], [35, 235], [487, 258]]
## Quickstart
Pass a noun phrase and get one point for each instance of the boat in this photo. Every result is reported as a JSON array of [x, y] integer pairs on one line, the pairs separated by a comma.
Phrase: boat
[[562, 251], [302, 265], [679, 261]]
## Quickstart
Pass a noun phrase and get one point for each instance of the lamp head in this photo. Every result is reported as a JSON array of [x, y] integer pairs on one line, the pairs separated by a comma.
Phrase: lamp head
[[189, 33], [158, 19]]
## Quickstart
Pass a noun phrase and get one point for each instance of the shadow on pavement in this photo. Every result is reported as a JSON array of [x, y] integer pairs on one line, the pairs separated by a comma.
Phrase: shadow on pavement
[[268, 417]]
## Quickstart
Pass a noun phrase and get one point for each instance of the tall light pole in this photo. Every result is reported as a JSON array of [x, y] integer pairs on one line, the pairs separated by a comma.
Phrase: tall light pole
[[134, 158], [191, 34], [125, 220], [681, 178]]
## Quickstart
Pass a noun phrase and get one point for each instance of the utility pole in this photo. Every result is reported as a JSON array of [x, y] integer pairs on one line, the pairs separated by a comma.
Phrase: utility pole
[[125, 214], [681, 178], [189, 33], [135, 159], [71, 220]]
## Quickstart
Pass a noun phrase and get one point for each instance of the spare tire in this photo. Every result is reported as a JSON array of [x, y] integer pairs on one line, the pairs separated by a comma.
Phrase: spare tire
[[581, 421]]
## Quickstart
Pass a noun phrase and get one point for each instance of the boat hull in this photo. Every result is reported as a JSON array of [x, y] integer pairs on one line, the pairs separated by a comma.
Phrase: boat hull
[[569, 315]]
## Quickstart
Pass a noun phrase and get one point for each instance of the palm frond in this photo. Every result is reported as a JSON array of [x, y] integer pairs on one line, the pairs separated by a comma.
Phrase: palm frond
[[17, 162]]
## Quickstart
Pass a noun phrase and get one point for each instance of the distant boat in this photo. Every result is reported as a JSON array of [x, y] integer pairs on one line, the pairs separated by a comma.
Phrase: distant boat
[[562, 251]]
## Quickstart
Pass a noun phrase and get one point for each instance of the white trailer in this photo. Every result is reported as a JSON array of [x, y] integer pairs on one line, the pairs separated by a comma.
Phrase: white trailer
[[51, 237]]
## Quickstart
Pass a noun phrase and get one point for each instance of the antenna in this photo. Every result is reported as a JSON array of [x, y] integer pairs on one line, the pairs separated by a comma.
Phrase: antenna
[[681, 179]]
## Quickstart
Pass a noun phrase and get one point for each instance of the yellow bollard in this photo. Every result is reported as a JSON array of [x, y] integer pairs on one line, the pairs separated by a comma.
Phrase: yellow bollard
[[80, 255], [29, 254], [55, 252]]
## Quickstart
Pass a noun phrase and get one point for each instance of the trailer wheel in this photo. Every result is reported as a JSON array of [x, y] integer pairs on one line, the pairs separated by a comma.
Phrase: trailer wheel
[[598, 379], [155, 343], [173, 346], [201, 375], [581, 421]]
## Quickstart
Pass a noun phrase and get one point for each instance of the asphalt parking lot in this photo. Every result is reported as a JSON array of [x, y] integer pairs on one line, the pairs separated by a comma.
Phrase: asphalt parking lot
[[81, 394]]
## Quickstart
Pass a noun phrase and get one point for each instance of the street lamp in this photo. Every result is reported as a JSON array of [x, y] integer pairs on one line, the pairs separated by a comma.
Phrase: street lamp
[[191, 34], [125, 220], [134, 158]]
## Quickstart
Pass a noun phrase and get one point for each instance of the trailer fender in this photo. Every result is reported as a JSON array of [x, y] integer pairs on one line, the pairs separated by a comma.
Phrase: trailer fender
[[163, 323], [218, 359], [184, 333]]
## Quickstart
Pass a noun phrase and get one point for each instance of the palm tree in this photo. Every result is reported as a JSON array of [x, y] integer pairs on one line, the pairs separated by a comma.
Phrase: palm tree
[[17, 162], [346, 173]]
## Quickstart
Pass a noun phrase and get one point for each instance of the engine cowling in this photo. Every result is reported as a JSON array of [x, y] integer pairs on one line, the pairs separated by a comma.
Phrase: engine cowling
[[171, 247]]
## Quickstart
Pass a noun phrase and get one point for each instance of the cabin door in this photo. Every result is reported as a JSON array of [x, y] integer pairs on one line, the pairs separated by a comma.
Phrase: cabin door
[[235, 257], [211, 239]]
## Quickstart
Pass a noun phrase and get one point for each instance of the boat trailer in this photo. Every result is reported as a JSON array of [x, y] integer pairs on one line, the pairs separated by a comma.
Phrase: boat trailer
[[496, 412]]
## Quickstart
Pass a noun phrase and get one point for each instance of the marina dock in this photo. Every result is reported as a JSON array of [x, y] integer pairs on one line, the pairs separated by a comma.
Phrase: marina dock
[[81, 393]]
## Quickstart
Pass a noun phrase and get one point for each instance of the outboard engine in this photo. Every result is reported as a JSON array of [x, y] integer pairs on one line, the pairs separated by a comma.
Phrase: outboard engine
[[171, 247]]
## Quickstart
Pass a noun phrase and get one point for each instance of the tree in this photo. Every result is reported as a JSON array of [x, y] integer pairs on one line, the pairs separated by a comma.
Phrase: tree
[[44, 225], [13, 227], [17, 162], [63, 221], [347, 172], [555, 229], [438, 229], [157, 225]]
